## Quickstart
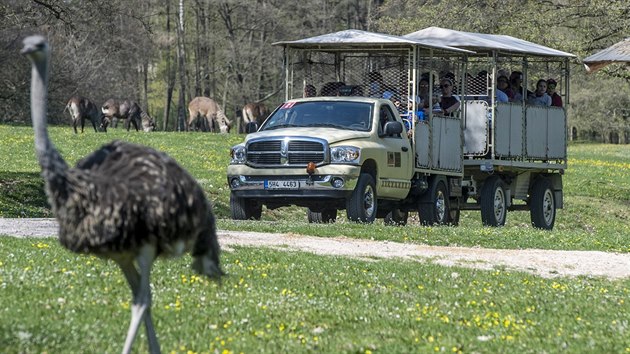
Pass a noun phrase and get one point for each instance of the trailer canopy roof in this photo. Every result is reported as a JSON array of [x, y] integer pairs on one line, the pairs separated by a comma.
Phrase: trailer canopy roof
[[357, 39], [617, 53], [484, 43]]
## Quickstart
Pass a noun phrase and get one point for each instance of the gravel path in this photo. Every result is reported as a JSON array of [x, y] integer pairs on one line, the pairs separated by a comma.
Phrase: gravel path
[[544, 263]]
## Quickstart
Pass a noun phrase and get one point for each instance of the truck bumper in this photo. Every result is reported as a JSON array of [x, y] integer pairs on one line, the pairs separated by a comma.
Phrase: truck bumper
[[328, 182]]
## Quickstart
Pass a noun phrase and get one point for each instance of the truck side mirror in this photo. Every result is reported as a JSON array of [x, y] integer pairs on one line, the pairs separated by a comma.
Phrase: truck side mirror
[[251, 127], [392, 128]]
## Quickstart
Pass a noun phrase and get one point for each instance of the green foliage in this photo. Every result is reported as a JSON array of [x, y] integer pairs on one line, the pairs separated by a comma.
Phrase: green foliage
[[578, 27], [293, 302], [596, 194]]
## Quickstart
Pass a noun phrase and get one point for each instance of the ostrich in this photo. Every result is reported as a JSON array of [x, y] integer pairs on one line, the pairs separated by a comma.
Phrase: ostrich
[[159, 210]]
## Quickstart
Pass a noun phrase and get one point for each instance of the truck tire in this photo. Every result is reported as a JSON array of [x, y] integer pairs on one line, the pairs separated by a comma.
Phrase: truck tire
[[396, 217], [436, 211], [244, 209], [493, 202], [325, 216], [362, 204], [542, 204]]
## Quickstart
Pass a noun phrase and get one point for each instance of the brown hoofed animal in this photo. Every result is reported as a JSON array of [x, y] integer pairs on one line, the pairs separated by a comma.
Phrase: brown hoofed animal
[[253, 113], [126, 109], [80, 109], [212, 116]]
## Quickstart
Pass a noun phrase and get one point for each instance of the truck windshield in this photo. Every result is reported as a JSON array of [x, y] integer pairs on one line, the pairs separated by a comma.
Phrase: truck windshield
[[340, 115]]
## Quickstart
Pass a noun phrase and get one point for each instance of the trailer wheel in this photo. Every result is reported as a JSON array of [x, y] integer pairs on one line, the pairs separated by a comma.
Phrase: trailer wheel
[[493, 203], [542, 204], [361, 207], [244, 209], [436, 211], [326, 216], [396, 217]]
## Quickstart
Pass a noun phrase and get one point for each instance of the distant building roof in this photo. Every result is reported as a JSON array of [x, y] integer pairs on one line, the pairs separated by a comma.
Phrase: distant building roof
[[617, 53]]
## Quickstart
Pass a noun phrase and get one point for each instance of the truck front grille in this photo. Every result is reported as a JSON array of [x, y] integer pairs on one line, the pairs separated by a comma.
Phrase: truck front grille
[[287, 152]]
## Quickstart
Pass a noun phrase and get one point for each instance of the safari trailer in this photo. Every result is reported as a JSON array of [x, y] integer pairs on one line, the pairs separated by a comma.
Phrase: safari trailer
[[360, 145], [514, 153]]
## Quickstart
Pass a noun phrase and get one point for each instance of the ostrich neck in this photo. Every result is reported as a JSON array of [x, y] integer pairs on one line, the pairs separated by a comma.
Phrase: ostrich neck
[[54, 167]]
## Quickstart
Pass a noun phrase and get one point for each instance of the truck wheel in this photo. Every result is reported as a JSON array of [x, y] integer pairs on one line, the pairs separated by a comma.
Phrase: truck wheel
[[542, 204], [396, 217], [436, 211], [244, 209], [361, 207], [325, 216], [493, 203]]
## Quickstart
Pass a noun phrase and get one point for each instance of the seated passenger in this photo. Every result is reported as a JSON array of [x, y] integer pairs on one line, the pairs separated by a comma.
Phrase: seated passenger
[[331, 88], [503, 85], [516, 83], [423, 92], [375, 84], [310, 91], [556, 100], [448, 103], [540, 96]]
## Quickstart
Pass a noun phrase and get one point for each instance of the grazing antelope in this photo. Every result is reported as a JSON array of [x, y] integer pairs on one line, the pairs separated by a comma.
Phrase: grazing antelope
[[126, 109], [80, 109], [253, 113], [212, 116]]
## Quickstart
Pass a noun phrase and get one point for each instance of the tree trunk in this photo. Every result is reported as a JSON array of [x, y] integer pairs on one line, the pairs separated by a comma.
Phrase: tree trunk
[[170, 74], [181, 62]]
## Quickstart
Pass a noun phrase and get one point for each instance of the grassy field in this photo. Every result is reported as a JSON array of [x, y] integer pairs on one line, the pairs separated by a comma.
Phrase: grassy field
[[596, 185], [283, 302]]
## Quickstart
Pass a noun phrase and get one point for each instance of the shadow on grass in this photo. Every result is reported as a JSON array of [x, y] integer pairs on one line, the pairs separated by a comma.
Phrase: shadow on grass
[[22, 196]]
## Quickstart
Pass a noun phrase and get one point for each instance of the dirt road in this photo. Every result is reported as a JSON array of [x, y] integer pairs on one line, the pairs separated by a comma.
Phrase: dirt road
[[544, 263]]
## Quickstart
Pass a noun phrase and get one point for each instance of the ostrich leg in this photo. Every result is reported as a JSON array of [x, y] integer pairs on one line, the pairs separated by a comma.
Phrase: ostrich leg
[[141, 291]]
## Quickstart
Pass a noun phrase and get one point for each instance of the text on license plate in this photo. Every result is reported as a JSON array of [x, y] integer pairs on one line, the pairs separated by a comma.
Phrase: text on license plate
[[282, 184]]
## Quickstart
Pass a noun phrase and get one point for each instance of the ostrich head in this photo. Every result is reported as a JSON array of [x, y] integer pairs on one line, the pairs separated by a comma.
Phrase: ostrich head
[[36, 49]]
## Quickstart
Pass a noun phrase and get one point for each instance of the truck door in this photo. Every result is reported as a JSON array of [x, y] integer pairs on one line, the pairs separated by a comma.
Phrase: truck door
[[394, 172]]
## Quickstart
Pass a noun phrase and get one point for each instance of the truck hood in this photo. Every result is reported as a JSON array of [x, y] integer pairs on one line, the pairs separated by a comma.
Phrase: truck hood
[[329, 134]]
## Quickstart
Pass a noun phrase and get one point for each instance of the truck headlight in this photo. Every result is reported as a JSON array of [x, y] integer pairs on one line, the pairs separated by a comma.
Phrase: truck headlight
[[345, 154], [238, 154]]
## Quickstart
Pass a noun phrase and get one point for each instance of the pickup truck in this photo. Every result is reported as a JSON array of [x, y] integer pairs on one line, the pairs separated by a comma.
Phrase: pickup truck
[[329, 154]]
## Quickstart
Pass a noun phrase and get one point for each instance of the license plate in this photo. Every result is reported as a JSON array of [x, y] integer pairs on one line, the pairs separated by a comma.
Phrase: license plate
[[282, 184]]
